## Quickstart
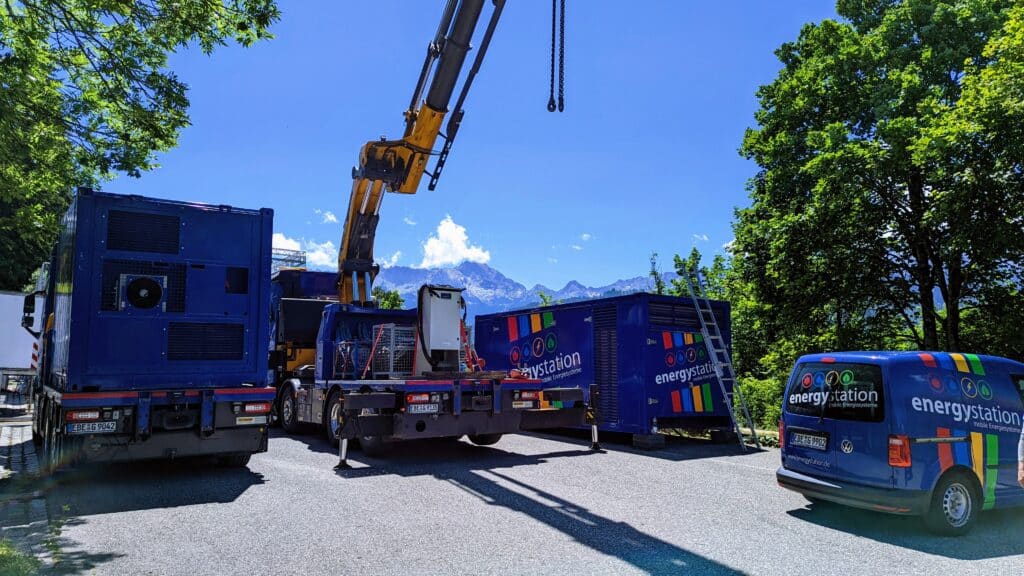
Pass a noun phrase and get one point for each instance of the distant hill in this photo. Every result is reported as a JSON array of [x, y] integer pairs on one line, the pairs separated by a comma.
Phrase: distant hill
[[488, 290]]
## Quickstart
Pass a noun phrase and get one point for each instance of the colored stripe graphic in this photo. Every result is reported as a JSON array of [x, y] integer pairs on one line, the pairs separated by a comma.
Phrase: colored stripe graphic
[[687, 401], [976, 366], [677, 338], [549, 319], [961, 451], [677, 401], [706, 390], [928, 360], [698, 338], [524, 326], [961, 363], [992, 472], [978, 456], [513, 329], [698, 400], [688, 338], [945, 450], [535, 322], [945, 362], [666, 339]]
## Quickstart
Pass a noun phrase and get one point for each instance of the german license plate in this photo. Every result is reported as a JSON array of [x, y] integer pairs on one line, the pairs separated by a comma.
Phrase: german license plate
[[92, 427], [522, 404], [422, 409], [812, 441]]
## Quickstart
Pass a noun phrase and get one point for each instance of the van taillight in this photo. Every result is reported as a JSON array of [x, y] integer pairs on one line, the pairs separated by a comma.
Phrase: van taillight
[[899, 451], [782, 434]]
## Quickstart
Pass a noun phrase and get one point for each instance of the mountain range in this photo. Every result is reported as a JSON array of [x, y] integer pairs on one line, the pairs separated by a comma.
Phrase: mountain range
[[488, 290]]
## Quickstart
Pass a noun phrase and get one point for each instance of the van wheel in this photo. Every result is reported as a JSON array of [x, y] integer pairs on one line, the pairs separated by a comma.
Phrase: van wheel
[[287, 415], [954, 506], [484, 439]]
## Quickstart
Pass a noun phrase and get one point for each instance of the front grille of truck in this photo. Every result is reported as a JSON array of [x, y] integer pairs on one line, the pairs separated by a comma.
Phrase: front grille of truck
[[606, 363], [113, 269], [205, 341], [142, 232]]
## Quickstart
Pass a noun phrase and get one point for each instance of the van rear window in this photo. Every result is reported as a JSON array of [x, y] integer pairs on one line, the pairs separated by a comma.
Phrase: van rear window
[[838, 391]]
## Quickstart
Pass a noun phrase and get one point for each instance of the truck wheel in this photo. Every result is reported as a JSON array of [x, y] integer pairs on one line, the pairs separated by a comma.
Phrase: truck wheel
[[37, 411], [331, 412], [236, 460], [287, 415], [484, 439], [954, 506]]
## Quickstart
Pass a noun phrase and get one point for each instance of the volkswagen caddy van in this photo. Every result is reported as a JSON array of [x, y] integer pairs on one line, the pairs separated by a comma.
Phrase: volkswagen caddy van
[[930, 434]]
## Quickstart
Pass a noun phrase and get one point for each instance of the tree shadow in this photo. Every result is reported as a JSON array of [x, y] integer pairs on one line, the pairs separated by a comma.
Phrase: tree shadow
[[998, 533]]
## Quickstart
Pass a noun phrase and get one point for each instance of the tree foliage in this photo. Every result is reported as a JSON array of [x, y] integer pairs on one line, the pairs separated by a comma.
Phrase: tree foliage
[[387, 299], [85, 93], [889, 199]]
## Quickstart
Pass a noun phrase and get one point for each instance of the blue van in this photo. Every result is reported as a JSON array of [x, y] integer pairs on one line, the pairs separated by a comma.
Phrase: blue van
[[914, 433]]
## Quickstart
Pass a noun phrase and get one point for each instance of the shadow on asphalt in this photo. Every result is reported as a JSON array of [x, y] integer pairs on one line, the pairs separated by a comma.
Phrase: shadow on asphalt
[[998, 533], [473, 469]]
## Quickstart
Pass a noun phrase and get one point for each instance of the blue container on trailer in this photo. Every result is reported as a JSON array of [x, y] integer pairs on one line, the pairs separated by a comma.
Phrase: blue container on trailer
[[643, 352], [160, 294]]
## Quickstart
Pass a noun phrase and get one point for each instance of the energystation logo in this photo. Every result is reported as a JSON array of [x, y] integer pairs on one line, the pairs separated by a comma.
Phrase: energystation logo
[[534, 348]]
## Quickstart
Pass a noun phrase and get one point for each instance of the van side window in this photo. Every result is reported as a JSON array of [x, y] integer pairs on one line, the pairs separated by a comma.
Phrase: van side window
[[1018, 381]]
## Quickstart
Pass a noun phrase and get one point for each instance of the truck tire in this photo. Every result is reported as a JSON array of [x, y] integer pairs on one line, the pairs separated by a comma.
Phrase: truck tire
[[331, 410], [37, 411], [954, 506], [287, 415], [236, 460], [484, 439]]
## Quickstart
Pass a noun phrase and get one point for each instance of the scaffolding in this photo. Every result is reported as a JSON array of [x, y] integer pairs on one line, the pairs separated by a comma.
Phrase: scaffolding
[[282, 258]]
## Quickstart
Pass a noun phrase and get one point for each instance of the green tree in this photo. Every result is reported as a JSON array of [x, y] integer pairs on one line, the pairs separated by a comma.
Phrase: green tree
[[545, 298], [85, 93], [655, 274], [387, 299], [860, 215]]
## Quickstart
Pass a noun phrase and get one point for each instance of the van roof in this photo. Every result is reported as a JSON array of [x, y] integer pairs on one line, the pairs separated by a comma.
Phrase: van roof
[[883, 358]]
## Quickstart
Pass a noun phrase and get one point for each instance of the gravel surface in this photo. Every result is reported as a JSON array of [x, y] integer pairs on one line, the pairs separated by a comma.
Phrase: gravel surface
[[528, 505]]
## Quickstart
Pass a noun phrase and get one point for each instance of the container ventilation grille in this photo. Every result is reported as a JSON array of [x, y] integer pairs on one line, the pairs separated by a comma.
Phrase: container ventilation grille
[[203, 341], [113, 269], [142, 232], [606, 363], [676, 315]]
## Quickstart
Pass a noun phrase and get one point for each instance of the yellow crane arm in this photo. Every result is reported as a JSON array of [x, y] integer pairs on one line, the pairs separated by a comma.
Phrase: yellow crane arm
[[399, 165]]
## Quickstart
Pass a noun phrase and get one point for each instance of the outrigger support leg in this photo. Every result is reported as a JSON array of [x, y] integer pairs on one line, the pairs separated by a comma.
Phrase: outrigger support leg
[[343, 455], [594, 444]]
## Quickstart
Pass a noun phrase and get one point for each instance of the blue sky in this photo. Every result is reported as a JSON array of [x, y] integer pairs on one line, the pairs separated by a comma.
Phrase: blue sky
[[658, 94]]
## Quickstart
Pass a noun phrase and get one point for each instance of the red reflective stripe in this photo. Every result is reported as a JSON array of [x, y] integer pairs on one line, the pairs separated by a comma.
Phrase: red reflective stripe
[[945, 450], [677, 401], [429, 382], [666, 340], [234, 391], [928, 360], [98, 395]]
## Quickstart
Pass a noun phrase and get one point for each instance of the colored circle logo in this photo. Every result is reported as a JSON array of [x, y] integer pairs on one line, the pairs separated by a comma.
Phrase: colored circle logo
[[538, 347], [680, 357], [819, 378], [936, 383], [846, 378], [551, 342], [514, 356], [691, 355], [951, 386], [701, 353], [807, 381], [832, 378], [985, 390], [969, 388], [670, 359]]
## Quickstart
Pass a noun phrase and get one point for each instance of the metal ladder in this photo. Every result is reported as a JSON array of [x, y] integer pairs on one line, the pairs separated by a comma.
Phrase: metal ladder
[[719, 356]]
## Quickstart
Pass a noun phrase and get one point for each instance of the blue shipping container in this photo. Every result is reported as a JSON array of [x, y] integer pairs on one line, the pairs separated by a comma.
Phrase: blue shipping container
[[643, 352]]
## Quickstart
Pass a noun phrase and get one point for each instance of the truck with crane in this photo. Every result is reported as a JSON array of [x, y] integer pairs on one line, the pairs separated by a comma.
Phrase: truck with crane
[[382, 376], [152, 324]]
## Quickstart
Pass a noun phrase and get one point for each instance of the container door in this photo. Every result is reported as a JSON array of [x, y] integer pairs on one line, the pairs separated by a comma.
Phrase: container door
[[809, 434], [856, 405]]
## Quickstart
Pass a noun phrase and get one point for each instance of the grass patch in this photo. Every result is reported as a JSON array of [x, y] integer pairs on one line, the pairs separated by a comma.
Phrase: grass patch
[[14, 562]]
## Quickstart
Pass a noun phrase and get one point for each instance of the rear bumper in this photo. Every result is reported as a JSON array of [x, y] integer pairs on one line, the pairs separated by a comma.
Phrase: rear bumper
[[178, 444], [417, 426], [904, 502]]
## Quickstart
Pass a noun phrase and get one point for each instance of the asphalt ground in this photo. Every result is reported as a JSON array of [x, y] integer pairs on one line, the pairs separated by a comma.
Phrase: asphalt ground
[[528, 505]]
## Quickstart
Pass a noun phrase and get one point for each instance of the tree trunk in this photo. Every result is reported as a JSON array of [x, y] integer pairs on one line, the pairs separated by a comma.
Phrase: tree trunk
[[955, 289], [922, 266]]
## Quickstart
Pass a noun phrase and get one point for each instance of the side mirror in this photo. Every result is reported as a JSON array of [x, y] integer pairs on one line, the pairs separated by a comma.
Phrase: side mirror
[[28, 310]]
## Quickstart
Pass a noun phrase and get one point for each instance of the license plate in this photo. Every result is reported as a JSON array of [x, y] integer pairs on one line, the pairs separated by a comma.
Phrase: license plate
[[422, 408], [522, 404], [92, 427], [811, 441]]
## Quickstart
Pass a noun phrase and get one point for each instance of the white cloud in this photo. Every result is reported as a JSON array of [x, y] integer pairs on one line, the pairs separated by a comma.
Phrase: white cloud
[[321, 255], [450, 246], [576, 247], [728, 246], [409, 221], [279, 240], [700, 238], [553, 260], [389, 262], [586, 237], [327, 215]]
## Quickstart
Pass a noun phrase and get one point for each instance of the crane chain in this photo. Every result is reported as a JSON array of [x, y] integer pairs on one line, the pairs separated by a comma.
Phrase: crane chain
[[551, 94], [561, 58]]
